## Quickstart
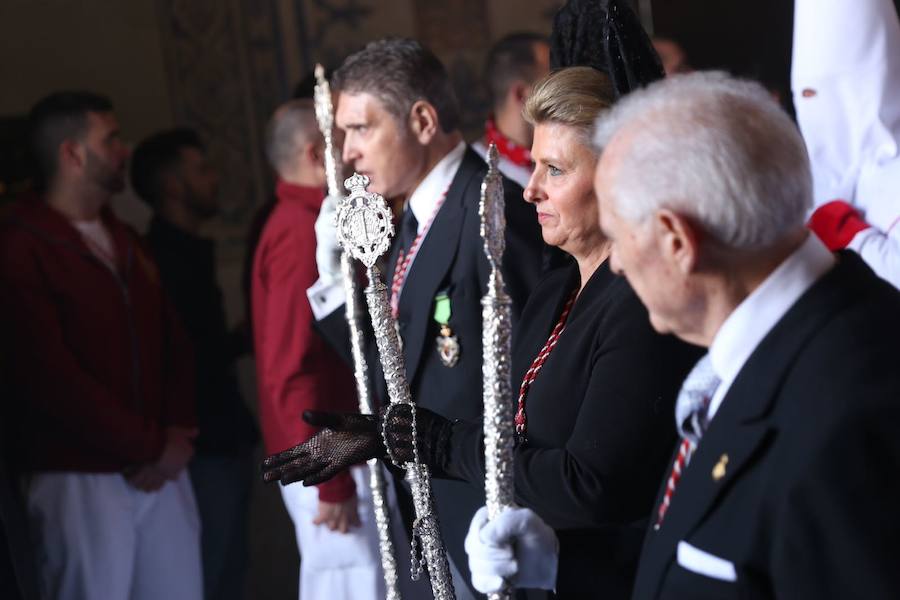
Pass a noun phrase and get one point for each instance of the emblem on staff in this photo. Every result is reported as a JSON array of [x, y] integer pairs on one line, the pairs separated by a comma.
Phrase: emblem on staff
[[364, 232]]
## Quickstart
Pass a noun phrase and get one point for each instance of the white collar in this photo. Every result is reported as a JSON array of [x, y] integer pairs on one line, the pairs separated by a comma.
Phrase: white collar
[[426, 196], [758, 314]]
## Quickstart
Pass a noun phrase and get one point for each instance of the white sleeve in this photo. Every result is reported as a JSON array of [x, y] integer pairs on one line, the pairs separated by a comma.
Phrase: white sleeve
[[845, 76], [881, 251], [325, 298]]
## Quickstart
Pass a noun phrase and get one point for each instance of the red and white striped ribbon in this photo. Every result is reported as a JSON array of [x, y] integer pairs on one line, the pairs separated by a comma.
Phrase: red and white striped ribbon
[[538, 363], [684, 453]]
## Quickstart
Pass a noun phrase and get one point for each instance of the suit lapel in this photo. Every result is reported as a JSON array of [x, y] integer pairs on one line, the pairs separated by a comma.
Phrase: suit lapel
[[430, 267], [740, 430], [724, 451]]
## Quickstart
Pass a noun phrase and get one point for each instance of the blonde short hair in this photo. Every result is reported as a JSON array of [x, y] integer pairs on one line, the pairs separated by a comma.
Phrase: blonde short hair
[[574, 96]]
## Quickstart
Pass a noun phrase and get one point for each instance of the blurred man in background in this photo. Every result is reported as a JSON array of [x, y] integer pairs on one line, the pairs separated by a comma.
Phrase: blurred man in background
[[100, 374], [513, 66], [171, 172]]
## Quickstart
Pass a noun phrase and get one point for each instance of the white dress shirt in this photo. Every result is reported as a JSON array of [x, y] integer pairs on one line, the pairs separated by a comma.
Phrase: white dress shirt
[[426, 196], [758, 314], [325, 298]]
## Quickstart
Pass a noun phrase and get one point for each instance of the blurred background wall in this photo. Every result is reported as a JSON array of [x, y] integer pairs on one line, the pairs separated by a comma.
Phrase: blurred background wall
[[221, 66]]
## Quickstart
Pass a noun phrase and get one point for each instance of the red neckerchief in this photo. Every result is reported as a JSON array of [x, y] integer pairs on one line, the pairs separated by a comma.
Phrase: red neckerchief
[[516, 154]]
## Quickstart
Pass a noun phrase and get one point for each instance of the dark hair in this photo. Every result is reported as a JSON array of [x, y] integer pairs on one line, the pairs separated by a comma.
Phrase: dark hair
[[400, 72], [56, 118], [606, 35], [156, 155], [511, 59]]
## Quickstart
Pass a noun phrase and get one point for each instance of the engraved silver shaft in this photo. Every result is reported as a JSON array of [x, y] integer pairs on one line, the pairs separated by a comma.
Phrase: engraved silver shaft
[[364, 231], [354, 314], [497, 328], [417, 474]]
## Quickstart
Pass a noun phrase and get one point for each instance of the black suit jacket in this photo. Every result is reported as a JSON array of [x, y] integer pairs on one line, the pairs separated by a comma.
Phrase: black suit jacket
[[451, 259], [600, 426], [808, 503]]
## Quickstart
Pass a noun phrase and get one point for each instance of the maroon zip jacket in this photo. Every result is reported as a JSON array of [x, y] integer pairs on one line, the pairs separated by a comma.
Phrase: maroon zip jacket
[[296, 370], [98, 366]]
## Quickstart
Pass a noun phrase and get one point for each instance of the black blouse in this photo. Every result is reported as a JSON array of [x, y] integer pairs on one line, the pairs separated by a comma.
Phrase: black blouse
[[600, 426]]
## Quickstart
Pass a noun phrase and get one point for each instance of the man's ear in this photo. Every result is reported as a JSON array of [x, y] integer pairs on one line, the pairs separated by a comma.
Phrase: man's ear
[[71, 154], [314, 153], [520, 92], [423, 121], [679, 240]]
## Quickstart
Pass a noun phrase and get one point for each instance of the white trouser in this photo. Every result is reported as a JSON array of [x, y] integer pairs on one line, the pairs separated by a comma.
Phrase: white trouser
[[347, 566], [99, 537]]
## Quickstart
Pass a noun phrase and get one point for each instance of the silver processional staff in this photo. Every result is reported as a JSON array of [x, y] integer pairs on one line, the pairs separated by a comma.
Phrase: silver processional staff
[[364, 230], [354, 314], [496, 346]]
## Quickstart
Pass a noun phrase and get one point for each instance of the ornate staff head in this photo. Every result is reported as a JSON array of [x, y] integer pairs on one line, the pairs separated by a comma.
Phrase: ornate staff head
[[492, 209], [322, 94], [364, 226]]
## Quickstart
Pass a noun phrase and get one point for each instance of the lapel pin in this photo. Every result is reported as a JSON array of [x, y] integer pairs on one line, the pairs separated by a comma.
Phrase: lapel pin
[[718, 471]]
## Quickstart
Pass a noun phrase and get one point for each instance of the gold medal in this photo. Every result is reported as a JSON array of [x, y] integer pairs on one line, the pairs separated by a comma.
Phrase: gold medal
[[718, 471]]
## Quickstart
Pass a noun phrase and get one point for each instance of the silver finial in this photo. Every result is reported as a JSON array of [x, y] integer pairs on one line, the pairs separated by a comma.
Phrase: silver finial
[[492, 209]]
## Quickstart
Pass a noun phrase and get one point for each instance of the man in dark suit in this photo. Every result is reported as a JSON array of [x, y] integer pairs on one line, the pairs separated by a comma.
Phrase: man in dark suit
[[400, 118], [784, 483]]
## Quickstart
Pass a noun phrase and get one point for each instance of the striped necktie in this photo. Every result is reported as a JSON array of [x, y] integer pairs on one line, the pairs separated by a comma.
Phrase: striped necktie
[[691, 419]]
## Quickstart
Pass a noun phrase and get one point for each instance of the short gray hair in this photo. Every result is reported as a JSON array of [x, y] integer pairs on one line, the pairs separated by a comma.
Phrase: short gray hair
[[400, 72], [292, 125], [713, 148]]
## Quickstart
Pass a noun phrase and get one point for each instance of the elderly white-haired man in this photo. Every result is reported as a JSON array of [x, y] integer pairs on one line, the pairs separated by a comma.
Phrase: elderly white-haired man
[[784, 483]]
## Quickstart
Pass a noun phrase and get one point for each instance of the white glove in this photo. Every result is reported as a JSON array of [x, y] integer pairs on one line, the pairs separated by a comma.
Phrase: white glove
[[517, 547], [328, 252]]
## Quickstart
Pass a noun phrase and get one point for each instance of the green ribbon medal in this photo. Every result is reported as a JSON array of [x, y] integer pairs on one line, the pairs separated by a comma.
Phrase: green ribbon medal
[[447, 343]]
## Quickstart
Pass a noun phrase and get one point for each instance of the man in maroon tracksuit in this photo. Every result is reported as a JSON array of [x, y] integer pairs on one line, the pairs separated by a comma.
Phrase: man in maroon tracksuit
[[101, 384]]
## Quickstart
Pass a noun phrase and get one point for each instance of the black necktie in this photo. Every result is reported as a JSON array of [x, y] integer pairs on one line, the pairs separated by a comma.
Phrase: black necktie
[[409, 229], [405, 239]]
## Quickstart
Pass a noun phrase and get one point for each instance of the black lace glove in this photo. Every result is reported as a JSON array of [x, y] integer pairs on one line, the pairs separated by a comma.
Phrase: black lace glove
[[345, 440], [350, 439], [432, 435]]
